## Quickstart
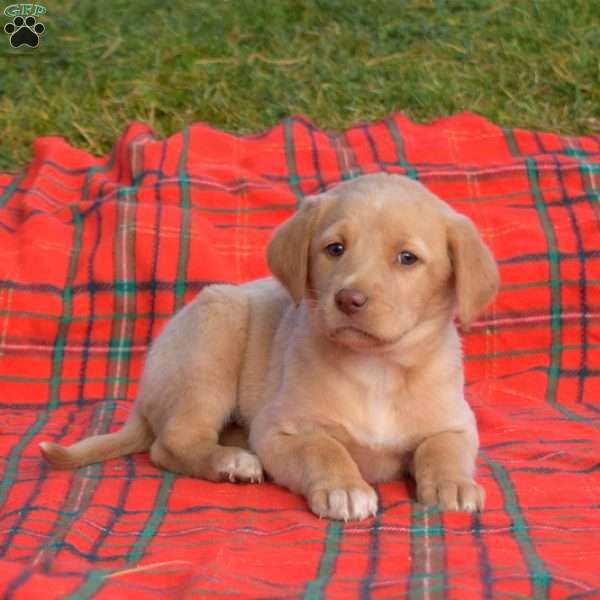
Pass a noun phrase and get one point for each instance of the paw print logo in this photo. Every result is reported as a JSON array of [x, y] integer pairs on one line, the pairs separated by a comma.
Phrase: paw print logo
[[24, 31]]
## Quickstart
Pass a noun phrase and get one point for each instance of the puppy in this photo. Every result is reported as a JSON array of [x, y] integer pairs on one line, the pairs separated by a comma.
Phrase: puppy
[[345, 369]]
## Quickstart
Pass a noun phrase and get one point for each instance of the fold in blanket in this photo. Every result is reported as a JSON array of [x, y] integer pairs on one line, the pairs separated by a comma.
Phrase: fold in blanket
[[97, 253]]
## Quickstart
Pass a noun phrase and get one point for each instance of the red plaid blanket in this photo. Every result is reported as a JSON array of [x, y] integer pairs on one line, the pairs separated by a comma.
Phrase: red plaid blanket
[[96, 254]]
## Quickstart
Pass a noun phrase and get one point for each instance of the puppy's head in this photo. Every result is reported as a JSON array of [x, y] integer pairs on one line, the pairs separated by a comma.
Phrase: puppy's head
[[378, 255]]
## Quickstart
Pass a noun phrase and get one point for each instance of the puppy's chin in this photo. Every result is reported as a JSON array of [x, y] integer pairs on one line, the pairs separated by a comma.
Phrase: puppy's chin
[[361, 340]]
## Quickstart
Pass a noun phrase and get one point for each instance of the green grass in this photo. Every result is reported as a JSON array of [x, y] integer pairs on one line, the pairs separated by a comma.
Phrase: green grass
[[242, 65]]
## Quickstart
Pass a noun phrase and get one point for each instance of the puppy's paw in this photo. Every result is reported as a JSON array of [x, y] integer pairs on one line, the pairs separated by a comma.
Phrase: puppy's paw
[[453, 495], [354, 501], [234, 464]]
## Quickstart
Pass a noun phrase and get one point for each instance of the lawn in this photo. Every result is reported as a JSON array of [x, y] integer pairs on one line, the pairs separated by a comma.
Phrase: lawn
[[243, 65]]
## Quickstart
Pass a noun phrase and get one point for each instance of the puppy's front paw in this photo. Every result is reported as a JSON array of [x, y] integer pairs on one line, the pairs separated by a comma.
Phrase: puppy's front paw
[[345, 502], [235, 464], [448, 494]]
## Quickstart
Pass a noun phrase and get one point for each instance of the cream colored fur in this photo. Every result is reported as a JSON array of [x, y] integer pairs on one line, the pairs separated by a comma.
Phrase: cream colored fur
[[333, 402]]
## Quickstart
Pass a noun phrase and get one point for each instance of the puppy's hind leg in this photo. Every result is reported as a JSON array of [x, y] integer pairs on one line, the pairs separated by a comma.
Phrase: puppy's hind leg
[[188, 445], [194, 370]]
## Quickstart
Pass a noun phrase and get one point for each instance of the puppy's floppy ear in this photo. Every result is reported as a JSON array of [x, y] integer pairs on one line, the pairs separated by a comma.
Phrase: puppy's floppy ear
[[287, 254], [476, 275]]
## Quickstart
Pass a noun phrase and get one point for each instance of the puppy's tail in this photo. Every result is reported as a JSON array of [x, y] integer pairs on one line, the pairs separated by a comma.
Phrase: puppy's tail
[[135, 436]]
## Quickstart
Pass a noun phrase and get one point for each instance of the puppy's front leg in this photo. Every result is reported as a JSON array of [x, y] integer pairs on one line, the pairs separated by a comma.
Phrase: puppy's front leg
[[319, 467], [444, 466]]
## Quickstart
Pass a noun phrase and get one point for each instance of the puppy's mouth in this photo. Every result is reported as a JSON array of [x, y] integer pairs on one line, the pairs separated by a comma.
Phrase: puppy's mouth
[[354, 336]]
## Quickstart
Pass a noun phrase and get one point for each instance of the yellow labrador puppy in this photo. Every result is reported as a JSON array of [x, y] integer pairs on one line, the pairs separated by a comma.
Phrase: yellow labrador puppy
[[346, 369]]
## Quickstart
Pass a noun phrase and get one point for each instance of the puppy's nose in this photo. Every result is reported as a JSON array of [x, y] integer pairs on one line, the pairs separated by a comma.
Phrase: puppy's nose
[[350, 301]]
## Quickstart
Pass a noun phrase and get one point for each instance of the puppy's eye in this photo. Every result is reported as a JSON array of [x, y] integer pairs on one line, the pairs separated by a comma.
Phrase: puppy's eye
[[407, 258], [335, 249]]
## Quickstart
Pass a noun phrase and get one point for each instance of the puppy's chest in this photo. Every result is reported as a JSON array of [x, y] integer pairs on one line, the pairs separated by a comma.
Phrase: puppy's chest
[[378, 420]]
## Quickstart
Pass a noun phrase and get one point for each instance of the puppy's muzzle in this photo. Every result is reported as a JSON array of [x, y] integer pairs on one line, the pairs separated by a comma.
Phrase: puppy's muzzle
[[350, 301]]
